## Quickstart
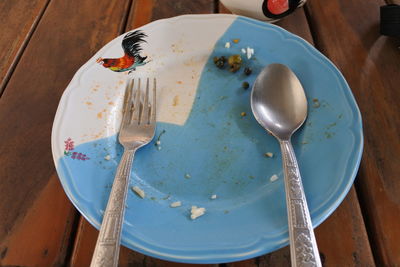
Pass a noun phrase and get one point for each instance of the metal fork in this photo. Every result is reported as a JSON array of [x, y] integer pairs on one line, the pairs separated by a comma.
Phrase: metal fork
[[137, 129]]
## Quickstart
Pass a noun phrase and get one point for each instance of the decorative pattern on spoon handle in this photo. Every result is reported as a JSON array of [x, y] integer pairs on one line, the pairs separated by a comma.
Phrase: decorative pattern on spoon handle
[[303, 246], [106, 252]]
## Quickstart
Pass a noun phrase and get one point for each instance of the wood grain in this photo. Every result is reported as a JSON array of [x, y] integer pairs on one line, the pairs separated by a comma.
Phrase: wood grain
[[342, 238], [342, 241], [84, 247], [41, 238], [170, 8], [370, 63], [18, 19], [68, 34]]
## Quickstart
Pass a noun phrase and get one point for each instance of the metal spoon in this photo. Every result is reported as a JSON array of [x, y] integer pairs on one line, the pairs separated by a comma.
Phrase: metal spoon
[[279, 104]]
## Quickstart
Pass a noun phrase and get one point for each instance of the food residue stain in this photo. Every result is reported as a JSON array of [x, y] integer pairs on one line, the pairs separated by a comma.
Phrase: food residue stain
[[100, 115], [331, 125], [176, 49], [316, 103], [179, 82], [329, 135], [175, 101]]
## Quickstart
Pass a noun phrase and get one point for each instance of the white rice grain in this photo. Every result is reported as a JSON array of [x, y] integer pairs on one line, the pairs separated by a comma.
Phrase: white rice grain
[[274, 178], [175, 204], [138, 191], [196, 212]]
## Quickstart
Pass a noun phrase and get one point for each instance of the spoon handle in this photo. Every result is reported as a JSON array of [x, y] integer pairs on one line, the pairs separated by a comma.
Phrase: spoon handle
[[303, 247]]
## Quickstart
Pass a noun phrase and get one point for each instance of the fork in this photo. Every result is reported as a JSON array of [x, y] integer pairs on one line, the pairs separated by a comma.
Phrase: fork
[[137, 129]]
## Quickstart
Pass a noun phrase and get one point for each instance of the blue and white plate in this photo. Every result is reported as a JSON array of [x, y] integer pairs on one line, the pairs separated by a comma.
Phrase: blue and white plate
[[209, 142]]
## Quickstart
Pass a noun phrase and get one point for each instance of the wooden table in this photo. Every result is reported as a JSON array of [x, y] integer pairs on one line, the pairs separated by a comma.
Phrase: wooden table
[[44, 42]]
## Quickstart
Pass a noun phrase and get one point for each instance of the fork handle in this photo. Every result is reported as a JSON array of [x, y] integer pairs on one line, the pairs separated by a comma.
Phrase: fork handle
[[106, 252], [303, 246]]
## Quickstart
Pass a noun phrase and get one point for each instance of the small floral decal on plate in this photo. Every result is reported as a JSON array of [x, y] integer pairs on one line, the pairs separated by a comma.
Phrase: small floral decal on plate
[[69, 146]]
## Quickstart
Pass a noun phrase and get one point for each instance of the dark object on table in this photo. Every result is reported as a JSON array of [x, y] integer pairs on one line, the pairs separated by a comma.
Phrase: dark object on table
[[390, 20]]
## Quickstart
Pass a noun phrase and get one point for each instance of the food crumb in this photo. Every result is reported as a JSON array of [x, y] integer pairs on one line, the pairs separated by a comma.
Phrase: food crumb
[[220, 61], [316, 103], [138, 191], [158, 147], [187, 176], [269, 154], [196, 212], [236, 41], [249, 52], [243, 114], [247, 71], [234, 62], [274, 178], [213, 196], [243, 51], [108, 157], [175, 204], [158, 142], [227, 45]]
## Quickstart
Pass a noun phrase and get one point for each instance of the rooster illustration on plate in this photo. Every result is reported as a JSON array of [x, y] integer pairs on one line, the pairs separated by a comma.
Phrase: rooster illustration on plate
[[131, 44]]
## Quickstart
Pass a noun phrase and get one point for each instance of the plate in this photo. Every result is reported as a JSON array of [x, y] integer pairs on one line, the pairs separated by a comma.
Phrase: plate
[[209, 142]]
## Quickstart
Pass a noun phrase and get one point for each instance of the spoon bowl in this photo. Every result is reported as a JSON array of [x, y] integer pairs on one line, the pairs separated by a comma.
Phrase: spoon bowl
[[278, 101], [279, 104]]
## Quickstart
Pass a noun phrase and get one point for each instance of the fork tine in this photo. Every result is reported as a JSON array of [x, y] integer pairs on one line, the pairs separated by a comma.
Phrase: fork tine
[[127, 105], [136, 103], [146, 108], [153, 104]]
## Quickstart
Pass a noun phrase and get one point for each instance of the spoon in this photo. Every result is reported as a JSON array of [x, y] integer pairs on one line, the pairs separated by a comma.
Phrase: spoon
[[279, 104]]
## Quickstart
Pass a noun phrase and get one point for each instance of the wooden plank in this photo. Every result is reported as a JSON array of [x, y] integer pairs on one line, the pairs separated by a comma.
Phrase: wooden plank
[[337, 247], [370, 63], [41, 237], [342, 241], [68, 34], [85, 243], [342, 238], [19, 19], [170, 8]]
